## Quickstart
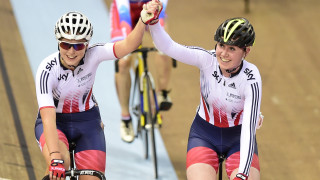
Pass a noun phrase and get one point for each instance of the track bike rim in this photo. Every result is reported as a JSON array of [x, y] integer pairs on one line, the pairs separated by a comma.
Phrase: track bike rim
[[151, 120], [145, 143]]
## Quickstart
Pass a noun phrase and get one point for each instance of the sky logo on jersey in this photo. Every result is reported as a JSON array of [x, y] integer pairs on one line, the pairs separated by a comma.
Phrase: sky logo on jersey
[[216, 76], [63, 77], [51, 64], [248, 73]]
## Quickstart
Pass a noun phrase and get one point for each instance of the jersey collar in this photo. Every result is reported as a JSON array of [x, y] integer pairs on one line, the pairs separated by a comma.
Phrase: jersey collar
[[236, 73]]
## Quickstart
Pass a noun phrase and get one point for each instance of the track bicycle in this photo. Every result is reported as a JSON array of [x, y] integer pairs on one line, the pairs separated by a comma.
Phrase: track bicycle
[[74, 173], [144, 105], [221, 159]]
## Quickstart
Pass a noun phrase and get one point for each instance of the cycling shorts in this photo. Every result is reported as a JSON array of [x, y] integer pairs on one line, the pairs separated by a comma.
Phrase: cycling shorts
[[83, 128], [207, 142], [120, 30]]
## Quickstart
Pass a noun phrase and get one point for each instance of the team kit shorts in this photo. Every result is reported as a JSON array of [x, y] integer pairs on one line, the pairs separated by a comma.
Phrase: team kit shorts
[[206, 142], [83, 128]]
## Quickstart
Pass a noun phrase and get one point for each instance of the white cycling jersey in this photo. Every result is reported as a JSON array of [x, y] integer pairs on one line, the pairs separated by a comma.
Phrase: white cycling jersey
[[224, 102], [66, 90]]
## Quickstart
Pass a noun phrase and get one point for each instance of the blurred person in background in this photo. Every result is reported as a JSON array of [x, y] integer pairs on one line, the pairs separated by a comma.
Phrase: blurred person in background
[[124, 16]]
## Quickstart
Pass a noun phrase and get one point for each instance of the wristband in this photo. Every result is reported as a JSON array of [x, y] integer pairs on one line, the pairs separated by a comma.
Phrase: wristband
[[241, 176], [55, 162], [143, 22]]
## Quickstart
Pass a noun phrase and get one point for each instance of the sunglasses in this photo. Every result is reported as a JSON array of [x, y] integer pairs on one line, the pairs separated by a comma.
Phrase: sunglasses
[[76, 46]]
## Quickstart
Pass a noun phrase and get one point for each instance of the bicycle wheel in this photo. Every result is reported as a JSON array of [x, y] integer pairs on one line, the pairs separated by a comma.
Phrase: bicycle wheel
[[151, 119], [138, 110], [145, 143]]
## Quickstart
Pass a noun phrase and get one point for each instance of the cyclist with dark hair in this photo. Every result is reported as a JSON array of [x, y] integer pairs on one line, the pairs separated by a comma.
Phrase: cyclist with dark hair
[[68, 110], [124, 15], [230, 98]]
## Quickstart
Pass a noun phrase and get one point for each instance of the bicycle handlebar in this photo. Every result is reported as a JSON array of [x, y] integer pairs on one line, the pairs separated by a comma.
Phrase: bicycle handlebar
[[144, 49], [78, 172]]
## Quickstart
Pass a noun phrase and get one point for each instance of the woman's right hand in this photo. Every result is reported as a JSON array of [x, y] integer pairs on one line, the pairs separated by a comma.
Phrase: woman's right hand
[[151, 11], [56, 169]]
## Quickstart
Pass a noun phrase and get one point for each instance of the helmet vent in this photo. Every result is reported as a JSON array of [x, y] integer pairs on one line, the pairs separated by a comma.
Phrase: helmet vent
[[74, 25]]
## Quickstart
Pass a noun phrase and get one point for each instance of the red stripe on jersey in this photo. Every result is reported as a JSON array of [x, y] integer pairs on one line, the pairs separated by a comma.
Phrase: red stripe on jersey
[[66, 106], [236, 121], [114, 51], [88, 100], [202, 155], [224, 119], [205, 109], [91, 159], [75, 104], [47, 107], [216, 115], [220, 117]]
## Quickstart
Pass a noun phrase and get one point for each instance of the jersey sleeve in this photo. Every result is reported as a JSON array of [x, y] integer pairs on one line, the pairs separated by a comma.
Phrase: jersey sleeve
[[101, 52], [253, 93], [44, 84], [191, 55]]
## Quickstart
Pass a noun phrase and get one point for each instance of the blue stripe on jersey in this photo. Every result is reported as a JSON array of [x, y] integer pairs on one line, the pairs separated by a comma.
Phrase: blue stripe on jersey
[[44, 82], [253, 122], [199, 48], [96, 44]]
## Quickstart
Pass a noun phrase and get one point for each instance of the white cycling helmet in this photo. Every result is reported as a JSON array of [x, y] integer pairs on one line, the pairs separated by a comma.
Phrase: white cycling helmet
[[73, 25]]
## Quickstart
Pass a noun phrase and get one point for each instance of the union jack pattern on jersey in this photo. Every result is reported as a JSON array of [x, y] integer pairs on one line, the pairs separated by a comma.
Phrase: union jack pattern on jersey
[[66, 90]]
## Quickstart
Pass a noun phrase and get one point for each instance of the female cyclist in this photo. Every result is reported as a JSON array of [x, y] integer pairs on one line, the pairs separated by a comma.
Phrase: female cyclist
[[67, 108], [230, 96]]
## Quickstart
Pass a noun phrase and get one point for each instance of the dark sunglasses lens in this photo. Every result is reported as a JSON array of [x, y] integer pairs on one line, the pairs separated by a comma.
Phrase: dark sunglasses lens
[[64, 45], [67, 46], [78, 47]]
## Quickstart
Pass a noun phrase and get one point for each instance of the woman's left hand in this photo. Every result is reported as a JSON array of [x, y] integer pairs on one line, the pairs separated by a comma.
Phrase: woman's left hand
[[151, 11]]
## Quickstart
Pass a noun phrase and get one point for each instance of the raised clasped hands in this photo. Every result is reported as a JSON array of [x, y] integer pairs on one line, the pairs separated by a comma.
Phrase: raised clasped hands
[[151, 11]]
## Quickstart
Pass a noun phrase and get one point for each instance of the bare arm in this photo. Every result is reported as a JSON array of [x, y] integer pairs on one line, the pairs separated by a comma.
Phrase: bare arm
[[48, 116], [131, 42], [134, 39]]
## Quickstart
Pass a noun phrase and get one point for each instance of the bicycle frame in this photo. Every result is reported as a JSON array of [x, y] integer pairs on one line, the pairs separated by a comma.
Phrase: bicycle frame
[[221, 159], [146, 83], [73, 173], [149, 117]]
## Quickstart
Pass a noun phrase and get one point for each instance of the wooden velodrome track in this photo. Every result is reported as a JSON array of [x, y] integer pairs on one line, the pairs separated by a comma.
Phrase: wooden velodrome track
[[285, 51]]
